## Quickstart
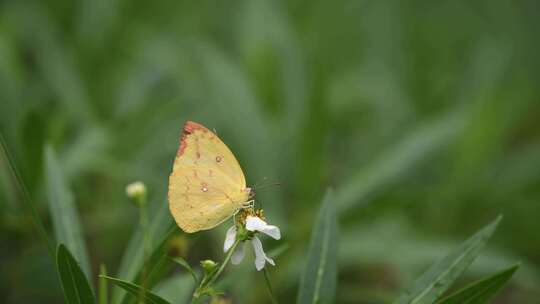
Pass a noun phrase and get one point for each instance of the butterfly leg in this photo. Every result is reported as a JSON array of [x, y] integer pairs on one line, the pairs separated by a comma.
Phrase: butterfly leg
[[248, 204]]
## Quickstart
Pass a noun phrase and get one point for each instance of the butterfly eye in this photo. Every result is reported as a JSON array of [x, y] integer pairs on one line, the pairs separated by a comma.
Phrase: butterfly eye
[[219, 159], [204, 188]]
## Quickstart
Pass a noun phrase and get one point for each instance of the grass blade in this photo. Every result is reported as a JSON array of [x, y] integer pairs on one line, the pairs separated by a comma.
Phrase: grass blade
[[439, 277], [318, 283], [26, 199], [67, 227], [137, 291], [74, 283], [133, 259], [481, 291]]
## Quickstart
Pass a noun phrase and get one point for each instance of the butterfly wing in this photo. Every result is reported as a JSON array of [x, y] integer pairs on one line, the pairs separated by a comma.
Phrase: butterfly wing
[[207, 184]]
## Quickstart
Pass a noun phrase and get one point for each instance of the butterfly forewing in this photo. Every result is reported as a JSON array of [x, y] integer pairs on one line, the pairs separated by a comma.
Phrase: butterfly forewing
[[207, 184]]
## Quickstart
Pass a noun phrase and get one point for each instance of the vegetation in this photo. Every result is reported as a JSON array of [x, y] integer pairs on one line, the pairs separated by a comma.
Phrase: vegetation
[[422, 117]]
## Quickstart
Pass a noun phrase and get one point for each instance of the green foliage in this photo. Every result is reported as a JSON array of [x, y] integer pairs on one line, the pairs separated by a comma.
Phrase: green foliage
[[138, 291], [26, 198], [440, 276], [65, 218], [76, 288], [423, 116], [481, 291], [180, 261], [319, 279], [133, 259]]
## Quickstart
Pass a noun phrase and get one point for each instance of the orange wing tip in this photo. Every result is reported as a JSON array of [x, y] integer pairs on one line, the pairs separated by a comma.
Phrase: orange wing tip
[[189, 128]]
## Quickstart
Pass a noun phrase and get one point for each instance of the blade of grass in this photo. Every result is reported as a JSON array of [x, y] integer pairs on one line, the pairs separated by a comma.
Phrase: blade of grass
[[318, 283], [137, 291], [133, 259], [26, 199], [440, 276], [65, 218], [74, 283], [481, 291]]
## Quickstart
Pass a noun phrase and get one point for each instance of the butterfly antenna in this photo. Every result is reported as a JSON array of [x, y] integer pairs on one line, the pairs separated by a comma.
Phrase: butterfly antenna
[[260, 183], [264, 187]]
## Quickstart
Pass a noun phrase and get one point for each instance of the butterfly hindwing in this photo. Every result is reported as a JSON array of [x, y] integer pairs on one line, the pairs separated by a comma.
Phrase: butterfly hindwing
[[207, 184]]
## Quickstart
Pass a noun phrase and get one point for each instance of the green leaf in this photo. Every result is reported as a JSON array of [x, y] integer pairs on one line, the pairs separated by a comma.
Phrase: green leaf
[[180, 261], [67, 227], [26, 198], [137, 291], [481, 291], [133, 259], [440, 276], [318, 283], [74, 283]]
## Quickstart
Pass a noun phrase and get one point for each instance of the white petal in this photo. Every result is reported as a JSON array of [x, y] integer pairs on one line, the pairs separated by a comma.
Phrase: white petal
[[254, 223], [272, 231], [269, 260], [238, 254], [230, 237], [260, 256]]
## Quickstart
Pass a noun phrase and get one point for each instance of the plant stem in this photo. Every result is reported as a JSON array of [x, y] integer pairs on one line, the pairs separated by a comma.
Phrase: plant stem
[[102, 284], [269, 286], [206, 283], [143, 222]]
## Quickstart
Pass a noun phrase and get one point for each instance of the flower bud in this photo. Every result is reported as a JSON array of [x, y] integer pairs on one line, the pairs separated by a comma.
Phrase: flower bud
[[137, 193], [208, 266]]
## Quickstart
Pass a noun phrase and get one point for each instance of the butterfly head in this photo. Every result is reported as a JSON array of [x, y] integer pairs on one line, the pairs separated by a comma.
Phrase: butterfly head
[[250, 192]]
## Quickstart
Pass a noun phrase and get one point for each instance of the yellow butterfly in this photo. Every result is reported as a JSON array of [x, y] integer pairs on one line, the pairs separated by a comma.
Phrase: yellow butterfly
[[206, 185]]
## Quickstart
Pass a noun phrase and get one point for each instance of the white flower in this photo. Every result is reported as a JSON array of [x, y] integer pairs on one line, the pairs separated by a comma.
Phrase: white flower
[[253, 224]]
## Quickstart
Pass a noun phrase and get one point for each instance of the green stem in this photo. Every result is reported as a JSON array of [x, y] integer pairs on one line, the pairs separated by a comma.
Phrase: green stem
[[206, 283], [143, 222], [269, 286], [102, 284]]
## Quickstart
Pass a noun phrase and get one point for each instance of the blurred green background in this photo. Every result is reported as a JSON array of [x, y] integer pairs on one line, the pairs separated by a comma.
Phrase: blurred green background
[[424, 116]]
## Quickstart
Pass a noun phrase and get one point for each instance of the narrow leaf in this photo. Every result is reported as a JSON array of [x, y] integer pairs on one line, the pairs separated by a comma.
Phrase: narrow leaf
[[26, 199], [180, 261], [74, 283], [133, 259], [440, 276], [481, 291], [137, 291], [65, 218], [318, 283]]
